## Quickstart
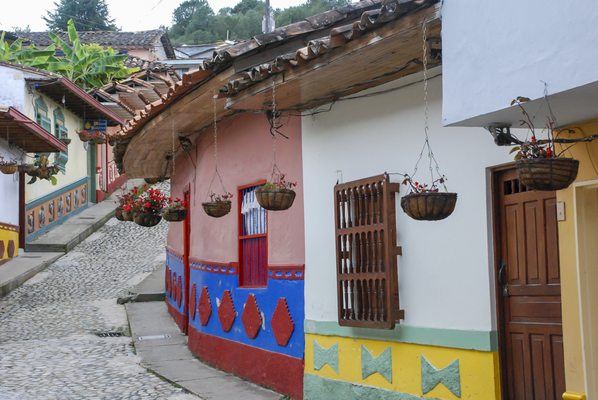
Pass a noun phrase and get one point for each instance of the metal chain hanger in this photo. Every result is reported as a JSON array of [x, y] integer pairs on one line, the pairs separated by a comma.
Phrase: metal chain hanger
[[216, 171], [433, 166]]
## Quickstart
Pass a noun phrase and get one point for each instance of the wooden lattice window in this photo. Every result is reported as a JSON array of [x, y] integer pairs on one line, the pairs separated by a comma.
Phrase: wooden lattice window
[[366, 253]]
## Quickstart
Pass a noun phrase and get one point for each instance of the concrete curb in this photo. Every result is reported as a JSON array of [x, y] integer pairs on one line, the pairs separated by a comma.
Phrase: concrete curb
[[12, 283]]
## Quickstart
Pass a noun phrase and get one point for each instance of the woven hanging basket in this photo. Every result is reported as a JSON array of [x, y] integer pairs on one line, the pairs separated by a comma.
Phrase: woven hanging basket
[[147, 219], [216, 209], [9, 168], [84, 137], [118, 214], [172, 215], [275, 199], [429, 206], [547, 173]]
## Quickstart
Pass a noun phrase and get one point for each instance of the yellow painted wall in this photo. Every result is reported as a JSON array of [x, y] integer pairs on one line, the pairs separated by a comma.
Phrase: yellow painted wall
[[575, 363], [9, 233], [76, 167], [479, 369]]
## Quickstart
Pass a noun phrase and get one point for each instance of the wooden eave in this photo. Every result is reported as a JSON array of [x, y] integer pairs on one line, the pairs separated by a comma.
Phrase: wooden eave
[[20, 131], [385, 45], [334, 67]]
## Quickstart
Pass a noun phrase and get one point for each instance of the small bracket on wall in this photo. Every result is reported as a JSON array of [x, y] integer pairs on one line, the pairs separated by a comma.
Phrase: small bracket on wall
[[502, 135]]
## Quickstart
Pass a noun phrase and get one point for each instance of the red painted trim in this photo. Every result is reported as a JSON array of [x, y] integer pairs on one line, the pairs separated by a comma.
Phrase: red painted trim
[[35, 129], [231, 268], [22, 228], [186, 251], [179, 318], [282, 373]]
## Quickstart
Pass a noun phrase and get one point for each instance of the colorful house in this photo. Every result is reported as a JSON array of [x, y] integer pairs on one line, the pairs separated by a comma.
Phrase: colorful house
[[20, 135], [549, 346], [62, 109], [466, 307]]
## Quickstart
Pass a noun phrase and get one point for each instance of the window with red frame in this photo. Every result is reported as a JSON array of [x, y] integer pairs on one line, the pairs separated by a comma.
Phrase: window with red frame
[[253, 238]]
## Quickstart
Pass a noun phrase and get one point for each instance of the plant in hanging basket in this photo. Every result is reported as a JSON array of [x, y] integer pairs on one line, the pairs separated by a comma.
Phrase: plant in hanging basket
[[126, 202], [539, 165], [276, 195], [218, 206], [8, 167], [427, 203], [96, 137], [148, 206], [175, 210], [41, 169]]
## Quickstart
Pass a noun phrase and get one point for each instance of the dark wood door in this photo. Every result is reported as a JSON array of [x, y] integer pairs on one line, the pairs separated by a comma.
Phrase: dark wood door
[[529, 291], [186, 266]]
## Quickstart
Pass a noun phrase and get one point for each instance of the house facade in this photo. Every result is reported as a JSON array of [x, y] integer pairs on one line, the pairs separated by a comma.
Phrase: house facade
[[480, 305], [20, 135], [61, 109], [553, 70]]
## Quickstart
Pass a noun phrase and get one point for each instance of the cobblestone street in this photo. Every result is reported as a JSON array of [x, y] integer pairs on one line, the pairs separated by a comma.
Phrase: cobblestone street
[[48, 343]]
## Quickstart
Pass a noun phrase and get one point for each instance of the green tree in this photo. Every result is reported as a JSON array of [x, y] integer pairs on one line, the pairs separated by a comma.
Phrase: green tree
[[88, 65], [89, 15]]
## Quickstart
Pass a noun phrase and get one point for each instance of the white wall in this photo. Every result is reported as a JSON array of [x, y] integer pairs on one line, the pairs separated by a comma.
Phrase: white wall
[[12, 92], [494, 51], [76, 167], [445, 276], [9, 188]]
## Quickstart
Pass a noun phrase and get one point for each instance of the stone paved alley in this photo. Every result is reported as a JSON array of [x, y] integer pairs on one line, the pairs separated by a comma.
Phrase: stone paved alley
[[48, 343]]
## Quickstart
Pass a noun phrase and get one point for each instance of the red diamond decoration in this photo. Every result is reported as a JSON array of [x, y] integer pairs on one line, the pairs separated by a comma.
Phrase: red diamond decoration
[[282, 323], [192, 308], [252, 319], [226, 311], [172, 285], [1, 248], [204, 306], [179, 291]]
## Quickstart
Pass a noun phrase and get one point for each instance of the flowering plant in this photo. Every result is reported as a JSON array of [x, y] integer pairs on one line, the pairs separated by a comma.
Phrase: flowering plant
[[279, 182], [217, 198], [534, 148], [87, 136], [127, 200], [175, 204], [416, 187], [150, 202]]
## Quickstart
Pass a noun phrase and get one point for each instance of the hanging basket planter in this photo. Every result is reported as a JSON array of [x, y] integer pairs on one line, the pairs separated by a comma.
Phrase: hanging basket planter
[[429, 206], [275, 199], [174, 215], [8, 167], [217, 209], [547, 173], [118, 214], [147, 219]]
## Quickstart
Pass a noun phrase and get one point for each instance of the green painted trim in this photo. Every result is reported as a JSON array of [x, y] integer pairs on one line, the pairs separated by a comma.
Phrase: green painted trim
[[318, 388], [56, 193], [453, 338]]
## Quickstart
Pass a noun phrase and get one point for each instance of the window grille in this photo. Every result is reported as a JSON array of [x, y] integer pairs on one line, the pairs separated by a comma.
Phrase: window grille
[[366, 253], [253, 239]]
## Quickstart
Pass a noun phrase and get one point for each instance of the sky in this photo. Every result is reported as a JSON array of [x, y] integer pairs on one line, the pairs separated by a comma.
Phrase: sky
[[130, 15]]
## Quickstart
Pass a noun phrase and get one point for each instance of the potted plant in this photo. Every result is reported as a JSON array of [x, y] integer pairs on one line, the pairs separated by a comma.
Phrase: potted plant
[[219, 204], [428, 203], [124, 211], [147, 208], [96, 137], [8, 167], [538, 164], [175, 210], [41, 169], [276, 195]]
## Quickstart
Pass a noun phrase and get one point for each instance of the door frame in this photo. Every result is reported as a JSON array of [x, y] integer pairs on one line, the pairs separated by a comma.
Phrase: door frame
[[186, 263], [496, 242]]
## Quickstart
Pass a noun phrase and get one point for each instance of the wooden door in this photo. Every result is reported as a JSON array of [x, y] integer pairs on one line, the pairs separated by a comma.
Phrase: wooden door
[[186, 267], [528, 291]]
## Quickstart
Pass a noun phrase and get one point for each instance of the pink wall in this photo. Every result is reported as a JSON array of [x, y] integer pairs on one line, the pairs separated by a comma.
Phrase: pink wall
[[245, 156]]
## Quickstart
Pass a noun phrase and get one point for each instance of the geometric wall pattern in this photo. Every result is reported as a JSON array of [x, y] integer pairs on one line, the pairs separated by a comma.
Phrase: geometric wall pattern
[[381, 364], [449, 376], [324, 356]]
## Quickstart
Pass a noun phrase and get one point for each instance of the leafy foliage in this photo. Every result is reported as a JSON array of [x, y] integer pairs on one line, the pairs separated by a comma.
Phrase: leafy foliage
[[88, 65], [194, 21], [89, 15]]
